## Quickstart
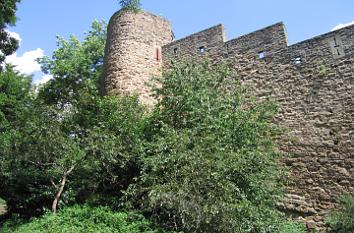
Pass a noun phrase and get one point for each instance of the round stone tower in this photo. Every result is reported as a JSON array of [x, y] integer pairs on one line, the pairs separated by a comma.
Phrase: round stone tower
[[133, 53]]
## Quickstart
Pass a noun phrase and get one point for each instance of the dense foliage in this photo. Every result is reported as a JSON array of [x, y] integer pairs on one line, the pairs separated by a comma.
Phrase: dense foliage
[[210, 165], [202, 160], [76, 68], [70, 145], [14, 99], [342, 221], [8, 44], [84, 219], [14, 96]]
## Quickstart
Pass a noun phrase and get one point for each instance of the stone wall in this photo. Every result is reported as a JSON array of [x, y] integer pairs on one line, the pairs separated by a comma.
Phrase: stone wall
[[313, 81], [133, 53]]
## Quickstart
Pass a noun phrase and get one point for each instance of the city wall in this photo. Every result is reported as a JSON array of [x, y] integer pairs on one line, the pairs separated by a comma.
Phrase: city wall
[[313, 81]]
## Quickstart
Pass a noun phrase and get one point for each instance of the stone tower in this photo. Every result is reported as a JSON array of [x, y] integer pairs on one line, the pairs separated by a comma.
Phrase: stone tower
[[133, 53]]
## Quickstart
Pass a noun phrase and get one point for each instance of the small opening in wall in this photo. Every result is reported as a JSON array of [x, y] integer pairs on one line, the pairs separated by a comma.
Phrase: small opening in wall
[[175, 51], [158, 54], [261, 55], [338, 52], [202, 49], [297, 60]]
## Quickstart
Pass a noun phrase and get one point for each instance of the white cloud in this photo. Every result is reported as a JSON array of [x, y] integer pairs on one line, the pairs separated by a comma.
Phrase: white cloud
[[44, 79], [339, 26], [15, 35], [26, 63]]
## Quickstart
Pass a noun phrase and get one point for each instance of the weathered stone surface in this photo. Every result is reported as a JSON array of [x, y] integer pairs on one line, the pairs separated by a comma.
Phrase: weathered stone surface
[[313, 81], [311, 225], [133, 53]]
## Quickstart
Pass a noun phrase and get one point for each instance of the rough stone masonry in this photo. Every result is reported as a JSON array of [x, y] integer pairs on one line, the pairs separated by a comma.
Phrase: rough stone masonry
[[313, 81]]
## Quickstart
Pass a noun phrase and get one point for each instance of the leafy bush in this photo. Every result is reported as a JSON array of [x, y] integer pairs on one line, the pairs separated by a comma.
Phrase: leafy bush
[[211, 165], [83, 219], [104, 157], [342, 221]]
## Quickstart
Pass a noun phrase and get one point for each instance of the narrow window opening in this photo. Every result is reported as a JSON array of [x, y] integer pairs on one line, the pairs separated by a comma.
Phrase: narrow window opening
[[175, 51], [338, 52], [297, 60], [158, 54], [202, 49], [261, 55], [336, 46]]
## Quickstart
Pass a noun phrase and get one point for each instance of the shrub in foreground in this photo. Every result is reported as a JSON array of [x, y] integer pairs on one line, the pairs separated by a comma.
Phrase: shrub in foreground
[[83, 219]]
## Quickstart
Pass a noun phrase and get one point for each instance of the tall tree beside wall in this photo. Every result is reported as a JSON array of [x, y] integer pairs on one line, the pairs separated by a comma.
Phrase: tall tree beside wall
[[66, 144]]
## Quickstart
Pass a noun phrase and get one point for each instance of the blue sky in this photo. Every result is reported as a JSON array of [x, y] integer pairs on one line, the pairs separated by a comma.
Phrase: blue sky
[[41, 20]]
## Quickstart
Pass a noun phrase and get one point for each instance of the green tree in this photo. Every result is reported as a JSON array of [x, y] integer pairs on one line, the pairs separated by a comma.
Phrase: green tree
[[43, 150], [76, 68], [38, 163], [15, 95], [72, 145], [210, 164], [8, 44], [104, 127], [51, 161]]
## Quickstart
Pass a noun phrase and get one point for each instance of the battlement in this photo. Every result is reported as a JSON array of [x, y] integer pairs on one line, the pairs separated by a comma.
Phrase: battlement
[[206, 42], [330, 46], [266, 42]]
